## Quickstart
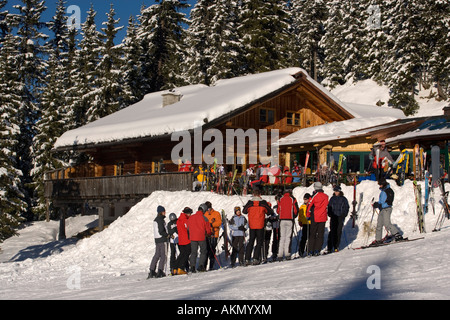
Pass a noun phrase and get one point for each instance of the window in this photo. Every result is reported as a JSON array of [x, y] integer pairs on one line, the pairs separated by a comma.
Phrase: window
[[267, 116], [294, 119]]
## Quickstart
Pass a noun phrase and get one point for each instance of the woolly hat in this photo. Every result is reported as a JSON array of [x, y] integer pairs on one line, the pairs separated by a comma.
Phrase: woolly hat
[[318, 185], [161, 209]]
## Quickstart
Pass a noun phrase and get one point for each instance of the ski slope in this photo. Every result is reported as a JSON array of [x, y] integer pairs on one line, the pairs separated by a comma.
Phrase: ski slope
[[114, 264]]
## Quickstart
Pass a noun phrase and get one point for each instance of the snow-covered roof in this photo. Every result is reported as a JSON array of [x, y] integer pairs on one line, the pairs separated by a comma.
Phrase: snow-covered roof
[[432, 127], [337, 130], [199, 104]]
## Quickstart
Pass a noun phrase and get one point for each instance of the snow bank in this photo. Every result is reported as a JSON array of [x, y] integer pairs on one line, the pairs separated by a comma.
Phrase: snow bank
[[114, 263], [128, 245]]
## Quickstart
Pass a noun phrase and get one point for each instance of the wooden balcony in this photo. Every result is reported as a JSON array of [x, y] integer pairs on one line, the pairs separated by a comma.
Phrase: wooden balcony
[[80, 190]]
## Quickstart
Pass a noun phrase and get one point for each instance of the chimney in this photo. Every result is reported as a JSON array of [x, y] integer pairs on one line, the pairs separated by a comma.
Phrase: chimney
[[447, 111], [171, 97]]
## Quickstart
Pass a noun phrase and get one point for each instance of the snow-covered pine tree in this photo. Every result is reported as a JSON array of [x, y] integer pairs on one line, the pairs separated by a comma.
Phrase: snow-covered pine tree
[[131, 70], [163, 40], [199, 52], [438, 19], [107, 84], [264, 33], [51, 124], [3, 22], [307, 30], [227, 61], [345, 42], [405, 52], [333, 43], [214, 50], [377, 31], [30, 64], [12, 197], [86, 60]]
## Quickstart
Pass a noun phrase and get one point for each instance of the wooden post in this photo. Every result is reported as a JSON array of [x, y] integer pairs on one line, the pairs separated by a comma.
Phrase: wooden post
[[62, 223], [101, 218], [287, 162]]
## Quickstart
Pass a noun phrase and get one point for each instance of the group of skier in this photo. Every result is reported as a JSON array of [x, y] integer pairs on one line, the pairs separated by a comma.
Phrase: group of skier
[[192, 232]]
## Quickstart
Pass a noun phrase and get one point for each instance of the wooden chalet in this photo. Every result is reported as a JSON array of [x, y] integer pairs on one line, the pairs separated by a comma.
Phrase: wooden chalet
[[129, 151]]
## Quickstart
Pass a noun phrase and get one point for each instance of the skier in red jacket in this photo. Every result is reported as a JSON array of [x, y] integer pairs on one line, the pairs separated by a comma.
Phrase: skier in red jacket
[[317, 214], [287, 211], [199, 228], [257, 209], [184, 244]]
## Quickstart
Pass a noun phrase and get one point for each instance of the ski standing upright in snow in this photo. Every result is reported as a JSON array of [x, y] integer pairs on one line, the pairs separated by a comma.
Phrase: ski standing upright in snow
[[418, 196]]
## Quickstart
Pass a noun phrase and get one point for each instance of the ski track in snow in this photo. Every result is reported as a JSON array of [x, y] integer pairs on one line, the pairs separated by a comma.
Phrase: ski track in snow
[[113, 264]]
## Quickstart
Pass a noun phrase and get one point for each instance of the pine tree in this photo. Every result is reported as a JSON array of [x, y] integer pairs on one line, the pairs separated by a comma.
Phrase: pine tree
[[85, 75], [107, 84], [12, 197], [264, 32], [30, 64], [51, 124], [438, 20], [405, 47], [308, 18], [226, 44], [163, 36], [199, 57], [3, 22], [131, 70], [345, 43]]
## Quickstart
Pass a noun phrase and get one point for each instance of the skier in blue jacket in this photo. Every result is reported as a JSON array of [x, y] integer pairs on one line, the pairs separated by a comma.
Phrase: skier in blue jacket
[[384, 203], [238, 226]]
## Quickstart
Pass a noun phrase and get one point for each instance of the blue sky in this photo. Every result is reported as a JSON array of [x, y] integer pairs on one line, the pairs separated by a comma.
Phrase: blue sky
[[124, 8]]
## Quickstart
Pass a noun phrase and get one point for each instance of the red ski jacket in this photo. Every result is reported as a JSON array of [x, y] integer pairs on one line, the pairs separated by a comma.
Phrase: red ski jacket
[[198, 227], [318, 205], [287, 207], [183, 236], [257, 209]]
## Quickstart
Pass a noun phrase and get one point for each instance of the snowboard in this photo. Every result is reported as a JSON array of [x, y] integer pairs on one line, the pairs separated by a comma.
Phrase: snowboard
[[418, 196]]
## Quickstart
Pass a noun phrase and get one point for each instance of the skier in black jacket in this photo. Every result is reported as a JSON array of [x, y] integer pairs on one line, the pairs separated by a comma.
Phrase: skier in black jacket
[[161, 238], [338, 208]]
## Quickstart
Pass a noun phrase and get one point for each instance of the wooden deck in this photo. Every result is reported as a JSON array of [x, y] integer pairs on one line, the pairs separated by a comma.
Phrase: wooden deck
[[78, 190]]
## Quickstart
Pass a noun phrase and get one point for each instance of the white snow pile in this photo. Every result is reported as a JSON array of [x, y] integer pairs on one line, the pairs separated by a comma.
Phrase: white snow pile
[[368, 92], [113, 264]]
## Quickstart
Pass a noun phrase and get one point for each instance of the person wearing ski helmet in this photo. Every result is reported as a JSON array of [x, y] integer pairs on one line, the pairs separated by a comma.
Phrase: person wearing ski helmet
[[238, 227], [384, 204], [184, 244], [161, 238], [173, 239], [198, 228]]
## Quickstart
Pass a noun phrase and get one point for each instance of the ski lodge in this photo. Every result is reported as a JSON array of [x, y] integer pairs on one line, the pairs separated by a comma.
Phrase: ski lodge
[[129, 152]]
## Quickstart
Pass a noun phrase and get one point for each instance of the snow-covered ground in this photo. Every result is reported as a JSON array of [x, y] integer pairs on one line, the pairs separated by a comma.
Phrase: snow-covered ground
[[113, 264], [369, 92]]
